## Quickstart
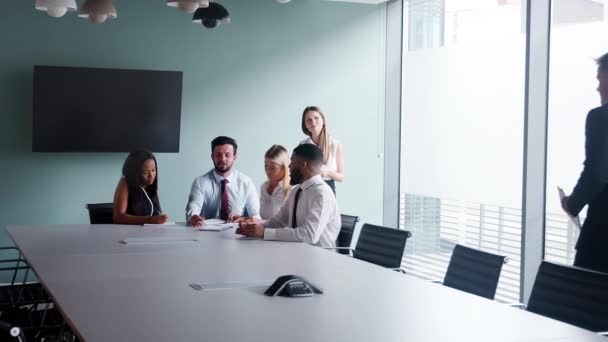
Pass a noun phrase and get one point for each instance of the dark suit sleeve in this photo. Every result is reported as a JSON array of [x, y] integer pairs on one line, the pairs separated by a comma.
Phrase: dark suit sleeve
[[593, 179]]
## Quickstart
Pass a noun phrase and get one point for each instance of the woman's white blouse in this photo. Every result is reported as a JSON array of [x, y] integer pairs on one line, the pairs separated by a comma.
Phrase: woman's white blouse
[[271, 203], [332, 163]]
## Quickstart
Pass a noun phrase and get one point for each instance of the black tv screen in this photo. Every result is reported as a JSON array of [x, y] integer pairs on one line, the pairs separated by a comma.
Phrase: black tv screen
[[105, 110]]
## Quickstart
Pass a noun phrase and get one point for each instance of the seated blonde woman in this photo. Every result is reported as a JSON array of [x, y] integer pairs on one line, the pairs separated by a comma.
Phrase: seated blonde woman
[[275, 189]]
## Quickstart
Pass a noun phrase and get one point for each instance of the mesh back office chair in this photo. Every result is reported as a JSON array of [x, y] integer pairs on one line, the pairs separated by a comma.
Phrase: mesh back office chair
[[381, 246], [9, 332], [474, 271], [345, 237], [21, 290], [101, 213], [24, 303], [571, 294]]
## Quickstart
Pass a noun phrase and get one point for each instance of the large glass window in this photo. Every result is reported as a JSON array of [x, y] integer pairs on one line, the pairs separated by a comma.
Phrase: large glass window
[[462, 133], [578, 35]]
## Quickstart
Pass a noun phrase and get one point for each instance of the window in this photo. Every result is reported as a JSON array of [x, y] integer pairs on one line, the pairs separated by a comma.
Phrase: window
[[462, 133], [577, 37]]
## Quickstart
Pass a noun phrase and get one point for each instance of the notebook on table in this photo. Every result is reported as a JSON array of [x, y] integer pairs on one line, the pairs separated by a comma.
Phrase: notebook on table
[[217, 225]]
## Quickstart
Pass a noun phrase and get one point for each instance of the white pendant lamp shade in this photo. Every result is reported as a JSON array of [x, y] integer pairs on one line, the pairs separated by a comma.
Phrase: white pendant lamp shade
[[98, 10], [56, 8], [188, 6]]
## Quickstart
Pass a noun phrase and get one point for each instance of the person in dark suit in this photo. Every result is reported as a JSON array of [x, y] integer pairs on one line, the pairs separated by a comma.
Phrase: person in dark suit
[[592, 186]]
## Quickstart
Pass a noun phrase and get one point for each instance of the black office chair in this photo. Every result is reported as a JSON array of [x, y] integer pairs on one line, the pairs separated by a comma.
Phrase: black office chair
[[24, 303], [21, 290], [9, 332], [474, 271], [38, 323], [101, 213], [571, 294], [345, 237], [381, 246]]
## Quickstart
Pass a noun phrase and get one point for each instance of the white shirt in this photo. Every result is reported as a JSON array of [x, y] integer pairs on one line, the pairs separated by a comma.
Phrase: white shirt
[[206, 192], [332, 163], [317, 216], [271, 203]]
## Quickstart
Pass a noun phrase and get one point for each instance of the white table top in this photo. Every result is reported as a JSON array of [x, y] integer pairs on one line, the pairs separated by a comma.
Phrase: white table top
[[140, 291]]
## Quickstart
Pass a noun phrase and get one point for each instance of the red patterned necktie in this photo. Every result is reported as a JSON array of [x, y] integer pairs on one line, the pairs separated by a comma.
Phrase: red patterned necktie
[[224, 207]]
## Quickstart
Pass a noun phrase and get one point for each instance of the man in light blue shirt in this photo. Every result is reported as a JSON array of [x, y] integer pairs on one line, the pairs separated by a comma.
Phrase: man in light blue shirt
[[223, 192]]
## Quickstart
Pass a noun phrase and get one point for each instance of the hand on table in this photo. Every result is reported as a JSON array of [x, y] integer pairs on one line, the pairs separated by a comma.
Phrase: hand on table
[[158, 219], [196, 221], [251, 229]]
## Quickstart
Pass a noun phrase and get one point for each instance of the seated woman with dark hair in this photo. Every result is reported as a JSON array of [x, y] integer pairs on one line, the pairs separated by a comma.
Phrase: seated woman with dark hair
[[136, 196]]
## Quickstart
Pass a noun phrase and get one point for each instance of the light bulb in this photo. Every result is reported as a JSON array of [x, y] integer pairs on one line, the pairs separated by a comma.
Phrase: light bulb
[[56, 12], [98, 18], [187, 6]]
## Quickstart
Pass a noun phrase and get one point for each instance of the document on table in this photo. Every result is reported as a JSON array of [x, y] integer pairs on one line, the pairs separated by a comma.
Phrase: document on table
[[574, 219], [217, 225], [157, 240], [168, 225]]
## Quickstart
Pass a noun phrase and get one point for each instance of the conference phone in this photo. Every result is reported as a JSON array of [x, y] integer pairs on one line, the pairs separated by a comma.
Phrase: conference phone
[[292, 286]]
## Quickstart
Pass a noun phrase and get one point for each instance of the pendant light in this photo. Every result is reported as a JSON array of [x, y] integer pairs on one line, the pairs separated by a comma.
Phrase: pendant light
[[211, 16], [56, 8], [188, 6], [98, 10]]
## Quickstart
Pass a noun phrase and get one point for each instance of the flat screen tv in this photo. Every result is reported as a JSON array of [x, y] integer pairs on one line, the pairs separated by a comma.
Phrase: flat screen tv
[[105, 110]]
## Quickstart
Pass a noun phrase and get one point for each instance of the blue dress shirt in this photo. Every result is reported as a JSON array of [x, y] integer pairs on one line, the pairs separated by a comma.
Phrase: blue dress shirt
[[206, 193]]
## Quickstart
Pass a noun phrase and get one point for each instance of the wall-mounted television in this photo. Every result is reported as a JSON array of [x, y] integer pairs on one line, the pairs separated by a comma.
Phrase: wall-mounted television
[[105, 110]]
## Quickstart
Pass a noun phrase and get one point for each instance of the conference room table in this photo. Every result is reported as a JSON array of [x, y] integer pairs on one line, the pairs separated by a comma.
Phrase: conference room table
[[133, 283]]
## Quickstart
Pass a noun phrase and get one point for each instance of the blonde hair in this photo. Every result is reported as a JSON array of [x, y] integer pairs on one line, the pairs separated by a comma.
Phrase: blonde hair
[[279, 155], [324, 137]]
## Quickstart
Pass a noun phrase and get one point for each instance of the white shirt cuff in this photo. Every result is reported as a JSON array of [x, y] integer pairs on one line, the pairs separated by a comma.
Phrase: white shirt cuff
[[270, 234]]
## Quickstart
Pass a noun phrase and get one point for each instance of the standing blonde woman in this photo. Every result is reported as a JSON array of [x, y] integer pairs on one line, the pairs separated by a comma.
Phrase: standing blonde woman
[[314, 126], [275, 190]]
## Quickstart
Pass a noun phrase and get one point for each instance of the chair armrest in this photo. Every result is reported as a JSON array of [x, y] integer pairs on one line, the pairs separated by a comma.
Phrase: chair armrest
[[517, 305], [338, 248], [602, 333], [350, 250]]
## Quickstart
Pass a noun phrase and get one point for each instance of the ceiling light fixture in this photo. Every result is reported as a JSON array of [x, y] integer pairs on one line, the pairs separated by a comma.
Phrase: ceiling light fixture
[[98, 10], [211, 16], [282, 1], [56, 8], [188, 6]]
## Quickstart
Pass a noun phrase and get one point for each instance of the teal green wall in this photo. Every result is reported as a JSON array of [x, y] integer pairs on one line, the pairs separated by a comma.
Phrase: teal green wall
[[249, 80]]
